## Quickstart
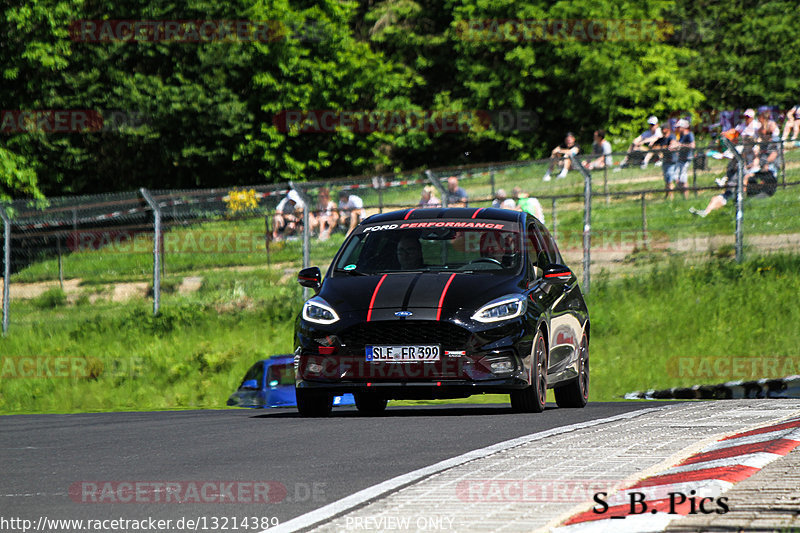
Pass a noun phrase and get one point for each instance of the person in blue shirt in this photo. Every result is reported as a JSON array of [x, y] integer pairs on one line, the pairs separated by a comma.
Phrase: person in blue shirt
[[666, 145]]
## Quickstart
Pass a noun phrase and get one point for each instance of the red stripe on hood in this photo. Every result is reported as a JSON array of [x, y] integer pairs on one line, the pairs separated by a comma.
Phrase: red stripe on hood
[[374, 295], [441, 298]]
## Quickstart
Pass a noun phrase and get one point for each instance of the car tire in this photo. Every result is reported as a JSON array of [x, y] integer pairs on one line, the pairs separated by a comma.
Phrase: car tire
[[576, 392], [314, 403], [532, 398], [369, 403]]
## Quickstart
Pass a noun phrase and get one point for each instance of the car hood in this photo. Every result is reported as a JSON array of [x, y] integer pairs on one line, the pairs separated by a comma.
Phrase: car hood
[[420, 293]]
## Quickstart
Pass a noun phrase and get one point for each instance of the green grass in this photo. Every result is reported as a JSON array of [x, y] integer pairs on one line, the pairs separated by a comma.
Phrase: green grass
[[194, 354]]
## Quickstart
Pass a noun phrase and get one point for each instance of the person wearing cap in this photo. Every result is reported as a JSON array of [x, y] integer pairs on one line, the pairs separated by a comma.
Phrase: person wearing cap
[[685, 145], [748, 127], [644, 142], [601, 152], [667, 146], [288, 217], [560, 156]]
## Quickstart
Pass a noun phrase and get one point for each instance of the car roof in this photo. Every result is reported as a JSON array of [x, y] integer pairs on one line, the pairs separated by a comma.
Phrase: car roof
[[475, 213]]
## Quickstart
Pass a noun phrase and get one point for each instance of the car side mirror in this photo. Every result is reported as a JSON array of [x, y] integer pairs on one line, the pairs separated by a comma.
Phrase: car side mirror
[[557, 274], [250, 384], [310, 277]]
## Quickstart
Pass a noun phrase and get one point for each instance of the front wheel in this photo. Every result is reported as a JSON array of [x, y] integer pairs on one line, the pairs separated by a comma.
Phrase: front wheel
[[532, 398], [576, 392], [369, 403], [314, 403]]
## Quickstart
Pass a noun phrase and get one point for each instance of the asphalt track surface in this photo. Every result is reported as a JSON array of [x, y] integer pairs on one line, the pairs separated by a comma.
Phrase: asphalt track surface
[[318, 461]]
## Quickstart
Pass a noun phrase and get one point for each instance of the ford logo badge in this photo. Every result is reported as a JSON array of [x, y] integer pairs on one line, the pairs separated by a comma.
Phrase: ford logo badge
[[403, 314]]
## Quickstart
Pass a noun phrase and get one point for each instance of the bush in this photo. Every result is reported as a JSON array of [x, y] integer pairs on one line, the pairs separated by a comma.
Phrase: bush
[[51, 298]]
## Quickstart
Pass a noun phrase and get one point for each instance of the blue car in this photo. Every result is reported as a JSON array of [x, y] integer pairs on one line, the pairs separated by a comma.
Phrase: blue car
[[270, 383]]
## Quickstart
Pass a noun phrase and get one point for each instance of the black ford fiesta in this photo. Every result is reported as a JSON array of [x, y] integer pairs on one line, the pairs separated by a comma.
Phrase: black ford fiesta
[[443, 303]]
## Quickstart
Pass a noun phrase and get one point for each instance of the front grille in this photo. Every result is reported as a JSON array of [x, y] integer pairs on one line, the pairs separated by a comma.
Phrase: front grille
[[406, 332]]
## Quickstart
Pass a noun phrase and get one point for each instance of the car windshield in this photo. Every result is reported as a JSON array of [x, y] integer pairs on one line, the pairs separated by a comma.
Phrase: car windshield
[[484, 247]]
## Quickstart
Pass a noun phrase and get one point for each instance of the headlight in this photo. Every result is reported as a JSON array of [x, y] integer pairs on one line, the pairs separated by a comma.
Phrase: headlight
[[501, 309], [317, 311]]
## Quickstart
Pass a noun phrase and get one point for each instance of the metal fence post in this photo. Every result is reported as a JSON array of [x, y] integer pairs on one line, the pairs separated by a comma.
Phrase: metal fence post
[[156, 248], [783, 163], [587, 221], [644, 222], [555, 221], [739, 197], [491, 181], [6, 266], [306, 230]]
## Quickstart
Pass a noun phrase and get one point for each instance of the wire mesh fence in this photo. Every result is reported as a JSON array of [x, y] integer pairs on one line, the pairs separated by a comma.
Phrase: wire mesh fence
[[100, 249]]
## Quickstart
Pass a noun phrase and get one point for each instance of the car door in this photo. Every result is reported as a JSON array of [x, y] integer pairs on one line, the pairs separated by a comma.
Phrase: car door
[[564, 306]]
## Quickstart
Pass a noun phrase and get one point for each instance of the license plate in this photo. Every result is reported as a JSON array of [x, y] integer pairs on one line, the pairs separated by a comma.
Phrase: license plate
[[401, 354]]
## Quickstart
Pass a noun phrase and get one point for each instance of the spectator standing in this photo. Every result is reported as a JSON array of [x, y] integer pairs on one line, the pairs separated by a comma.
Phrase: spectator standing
[[325, 218], [456, 196], [351, 209], [561, 156], [428, 198], [288, 216], [792, 124], [644, 142], [667, 145], [685, 146]]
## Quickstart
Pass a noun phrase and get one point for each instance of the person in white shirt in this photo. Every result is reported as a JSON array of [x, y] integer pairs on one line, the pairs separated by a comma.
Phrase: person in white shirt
[[351, 209], [288, 217], [644, 142]]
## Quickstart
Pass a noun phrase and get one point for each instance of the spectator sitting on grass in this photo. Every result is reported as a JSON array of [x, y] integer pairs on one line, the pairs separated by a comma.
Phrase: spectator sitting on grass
[[560, 156], [529, 204], [765, 118], [325, 218], [456, 196], [601, 152], [351, 209], [792, 124], [765, 156], [643, 143], [499, 197], [428, 198], [288, 218]]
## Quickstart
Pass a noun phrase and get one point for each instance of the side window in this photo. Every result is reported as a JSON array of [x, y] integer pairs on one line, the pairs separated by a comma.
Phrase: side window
[[256, 372], [281, 375], [535, 247], [551, 247]]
